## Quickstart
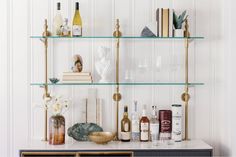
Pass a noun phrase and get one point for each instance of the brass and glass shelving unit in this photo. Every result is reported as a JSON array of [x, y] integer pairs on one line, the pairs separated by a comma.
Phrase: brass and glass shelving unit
[[117, 36]]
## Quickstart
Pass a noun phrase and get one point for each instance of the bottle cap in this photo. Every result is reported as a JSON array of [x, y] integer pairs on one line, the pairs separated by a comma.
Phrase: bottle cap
[[58, 6], [144, 110], [77, 5], [126, 109], [135, 106]]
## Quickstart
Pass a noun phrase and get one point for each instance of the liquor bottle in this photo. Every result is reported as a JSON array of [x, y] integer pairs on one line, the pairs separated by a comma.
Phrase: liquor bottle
[[144, 126], [57, 21], [154, 126], [165, 118], [177, 122], [77, 22], [135, 123], [125, 126], [65, 29]]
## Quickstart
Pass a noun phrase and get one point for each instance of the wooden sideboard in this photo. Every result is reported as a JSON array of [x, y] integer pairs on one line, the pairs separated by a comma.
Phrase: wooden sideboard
[[117, 149]]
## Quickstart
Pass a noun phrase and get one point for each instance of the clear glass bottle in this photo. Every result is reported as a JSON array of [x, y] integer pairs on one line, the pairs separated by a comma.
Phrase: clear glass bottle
[[154, 126], [65, 29], [57, 21], [57, 130], [125, 126], [135, 123], [144, 126]]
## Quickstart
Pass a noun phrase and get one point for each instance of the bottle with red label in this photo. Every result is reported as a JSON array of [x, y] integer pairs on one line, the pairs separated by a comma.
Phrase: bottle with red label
[[165, 118]]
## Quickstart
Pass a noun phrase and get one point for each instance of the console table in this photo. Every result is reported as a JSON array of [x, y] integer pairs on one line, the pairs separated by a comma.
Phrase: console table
[[116, 149]]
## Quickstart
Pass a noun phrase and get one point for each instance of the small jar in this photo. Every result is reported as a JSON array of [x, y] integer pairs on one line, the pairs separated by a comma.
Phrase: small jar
[[57, 130]]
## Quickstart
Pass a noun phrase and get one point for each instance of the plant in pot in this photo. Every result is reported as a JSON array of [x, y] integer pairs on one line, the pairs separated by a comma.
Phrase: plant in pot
[[178, 22], [57, 105]]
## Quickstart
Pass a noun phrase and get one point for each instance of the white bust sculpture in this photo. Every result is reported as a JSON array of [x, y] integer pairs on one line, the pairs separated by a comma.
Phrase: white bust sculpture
[[103, 63]]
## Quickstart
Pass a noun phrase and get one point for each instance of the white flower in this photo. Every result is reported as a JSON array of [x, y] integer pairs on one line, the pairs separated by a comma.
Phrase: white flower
[[57, 108], [57, 104]]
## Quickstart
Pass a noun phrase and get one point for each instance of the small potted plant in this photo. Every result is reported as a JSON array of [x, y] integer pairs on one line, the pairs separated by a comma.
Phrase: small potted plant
[[57, 105], [178, 22]]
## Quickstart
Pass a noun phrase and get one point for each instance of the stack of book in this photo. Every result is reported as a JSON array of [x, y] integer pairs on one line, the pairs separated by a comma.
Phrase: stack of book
[[164, 18], [77, 77]]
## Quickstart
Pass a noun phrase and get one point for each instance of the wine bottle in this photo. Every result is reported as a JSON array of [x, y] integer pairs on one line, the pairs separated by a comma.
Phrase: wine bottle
[[57, 21], [125, 126], [135, 123], [77, 22], [154, 126], [144, 126]]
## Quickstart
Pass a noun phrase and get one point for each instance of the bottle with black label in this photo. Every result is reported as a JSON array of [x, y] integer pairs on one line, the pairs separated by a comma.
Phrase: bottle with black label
[[144, 126], [125, 126]]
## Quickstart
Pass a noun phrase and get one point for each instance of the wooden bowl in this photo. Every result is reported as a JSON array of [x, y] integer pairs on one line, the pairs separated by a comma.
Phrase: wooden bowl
[[101, 137]]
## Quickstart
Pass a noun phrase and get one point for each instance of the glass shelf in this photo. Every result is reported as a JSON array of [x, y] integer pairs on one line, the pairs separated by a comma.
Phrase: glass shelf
[[111, 37], [121, 84]]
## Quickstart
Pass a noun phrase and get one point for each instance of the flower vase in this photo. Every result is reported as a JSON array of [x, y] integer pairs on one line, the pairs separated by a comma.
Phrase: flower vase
[[57, 130]]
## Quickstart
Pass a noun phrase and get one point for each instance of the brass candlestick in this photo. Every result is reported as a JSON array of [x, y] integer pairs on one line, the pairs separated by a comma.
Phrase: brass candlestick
[[185, 96], [117, 96]]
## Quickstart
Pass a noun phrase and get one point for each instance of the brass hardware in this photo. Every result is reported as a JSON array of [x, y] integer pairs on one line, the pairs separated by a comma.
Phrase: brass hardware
[[46, 95], [46, 33], [117, 96], [185, 96], [117, 32]]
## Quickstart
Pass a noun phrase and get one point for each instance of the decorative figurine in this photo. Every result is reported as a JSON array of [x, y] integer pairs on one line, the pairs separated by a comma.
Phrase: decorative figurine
[[103, 64], [65, 29], [78, 64]]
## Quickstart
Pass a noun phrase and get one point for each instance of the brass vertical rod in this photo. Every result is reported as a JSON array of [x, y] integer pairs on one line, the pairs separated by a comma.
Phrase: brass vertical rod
[[186, 96], [46, 94], [117, 87], [117, 95]]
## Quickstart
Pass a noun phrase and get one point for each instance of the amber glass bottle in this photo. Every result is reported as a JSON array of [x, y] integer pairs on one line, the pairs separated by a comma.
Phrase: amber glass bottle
[[144, 126]]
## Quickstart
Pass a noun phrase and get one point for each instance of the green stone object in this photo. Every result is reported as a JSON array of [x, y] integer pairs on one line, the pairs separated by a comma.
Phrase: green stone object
[[80, 131]]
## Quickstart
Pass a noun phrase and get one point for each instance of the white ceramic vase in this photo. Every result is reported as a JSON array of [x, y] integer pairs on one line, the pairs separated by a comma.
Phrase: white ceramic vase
[[179, 33]]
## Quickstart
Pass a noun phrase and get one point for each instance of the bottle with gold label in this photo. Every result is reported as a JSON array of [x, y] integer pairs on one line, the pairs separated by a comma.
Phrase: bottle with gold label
[[144, 126], [125, 126]]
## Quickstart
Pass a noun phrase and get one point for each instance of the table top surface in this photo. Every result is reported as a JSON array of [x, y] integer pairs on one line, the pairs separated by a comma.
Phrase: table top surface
[[117, 145]]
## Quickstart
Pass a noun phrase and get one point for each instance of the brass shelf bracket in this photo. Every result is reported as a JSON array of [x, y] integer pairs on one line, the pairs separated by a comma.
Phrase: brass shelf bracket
[[185, 96], [117, 96]]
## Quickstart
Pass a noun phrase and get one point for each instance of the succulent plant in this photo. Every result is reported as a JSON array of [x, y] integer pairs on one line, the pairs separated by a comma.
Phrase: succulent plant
[[179, 20], [54, 80]]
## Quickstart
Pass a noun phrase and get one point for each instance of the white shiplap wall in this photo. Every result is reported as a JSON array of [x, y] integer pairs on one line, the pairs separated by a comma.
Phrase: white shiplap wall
[[22, 63], [133, 15]]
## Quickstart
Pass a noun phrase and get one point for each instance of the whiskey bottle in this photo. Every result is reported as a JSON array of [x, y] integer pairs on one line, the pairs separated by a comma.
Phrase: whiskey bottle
[[125, 126], [144, 126]]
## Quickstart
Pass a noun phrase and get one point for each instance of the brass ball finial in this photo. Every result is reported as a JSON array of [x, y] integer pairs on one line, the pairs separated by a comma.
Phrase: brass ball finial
[[117, 32]]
